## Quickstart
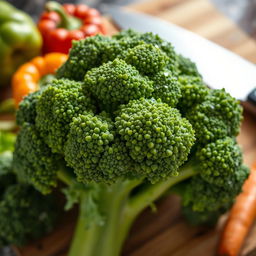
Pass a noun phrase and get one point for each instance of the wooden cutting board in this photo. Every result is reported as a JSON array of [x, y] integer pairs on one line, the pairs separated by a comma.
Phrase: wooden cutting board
[[165, 233]]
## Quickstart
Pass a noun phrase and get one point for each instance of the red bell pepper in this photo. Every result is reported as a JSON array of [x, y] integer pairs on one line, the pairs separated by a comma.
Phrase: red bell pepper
[[59, 25]]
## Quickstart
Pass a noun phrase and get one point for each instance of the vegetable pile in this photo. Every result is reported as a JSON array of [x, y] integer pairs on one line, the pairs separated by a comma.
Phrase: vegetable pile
[[125, 121]]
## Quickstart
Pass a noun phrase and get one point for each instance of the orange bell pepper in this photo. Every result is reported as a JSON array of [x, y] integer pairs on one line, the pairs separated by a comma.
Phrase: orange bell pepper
[[25, 79]]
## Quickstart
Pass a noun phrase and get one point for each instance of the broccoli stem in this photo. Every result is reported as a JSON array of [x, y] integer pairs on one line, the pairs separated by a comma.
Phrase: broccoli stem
[[152, 192], [102, 240], [120, 209], [84, 239]]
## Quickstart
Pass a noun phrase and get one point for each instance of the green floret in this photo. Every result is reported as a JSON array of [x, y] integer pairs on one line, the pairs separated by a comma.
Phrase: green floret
[[33, 161], [165, 46], [115, 162], [156, 136], [25, 214], [206, 202], [166, 87], [129, 39], [26, 112], [86, 54], [221, 160], [193, 91], [87, 140], [201, 197], [218, 116], [59, 103], [117, 82], [221, 176], [187, 67], [111, 50], [147, 58]]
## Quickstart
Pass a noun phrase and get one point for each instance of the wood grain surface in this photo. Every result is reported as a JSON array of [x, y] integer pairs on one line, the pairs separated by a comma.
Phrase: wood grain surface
[[165, 233]]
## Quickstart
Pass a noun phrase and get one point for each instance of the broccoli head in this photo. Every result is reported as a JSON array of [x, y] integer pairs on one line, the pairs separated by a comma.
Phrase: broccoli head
[[84, 55], [156, 136], [87, 140], [117, 82], [94, 51], [223, 169], [61, 101], [221, 176], [147, 58], [125, 120], [26, 112], [33, 161], [25, 214], [218, 116]]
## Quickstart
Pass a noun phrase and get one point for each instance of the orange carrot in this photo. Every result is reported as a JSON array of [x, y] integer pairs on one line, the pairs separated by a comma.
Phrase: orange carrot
[[240, 219]]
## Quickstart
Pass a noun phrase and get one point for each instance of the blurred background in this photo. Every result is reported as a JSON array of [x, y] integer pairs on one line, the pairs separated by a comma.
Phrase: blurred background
[[243, 12]]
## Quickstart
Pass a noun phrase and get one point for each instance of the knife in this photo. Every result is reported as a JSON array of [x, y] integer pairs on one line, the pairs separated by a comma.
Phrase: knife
[[219, 67]]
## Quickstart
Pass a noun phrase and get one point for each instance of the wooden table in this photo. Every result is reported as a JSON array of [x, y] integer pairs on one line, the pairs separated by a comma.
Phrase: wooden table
[[165, 233]]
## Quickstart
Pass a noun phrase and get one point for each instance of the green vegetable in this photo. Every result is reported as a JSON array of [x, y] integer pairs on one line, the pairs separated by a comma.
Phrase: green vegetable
[[25, 213], [125, 121], [218, 116], [19, 40]]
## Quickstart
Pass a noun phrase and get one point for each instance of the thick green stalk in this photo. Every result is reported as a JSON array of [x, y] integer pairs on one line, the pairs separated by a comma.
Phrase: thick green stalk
[[120, 209], [85, 239], [116, 202], [102, 240], [152, 192]]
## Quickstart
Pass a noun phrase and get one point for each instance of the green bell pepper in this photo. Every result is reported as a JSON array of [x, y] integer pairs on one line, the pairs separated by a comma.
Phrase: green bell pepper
[[19, 40]]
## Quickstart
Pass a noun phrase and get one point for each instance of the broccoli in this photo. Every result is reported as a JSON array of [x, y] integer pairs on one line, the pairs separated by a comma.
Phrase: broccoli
[[147, 58], [117, 82], [25, 213], [94, 51], [193, 92], [148, 128], [84, 55], [27, 109], [166, 87], [87, 139], [217, 116], [126, 120], [33, 158], [65, 100]]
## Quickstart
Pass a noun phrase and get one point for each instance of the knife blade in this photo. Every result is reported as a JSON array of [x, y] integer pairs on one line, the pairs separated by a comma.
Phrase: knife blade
[[219, 67]]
